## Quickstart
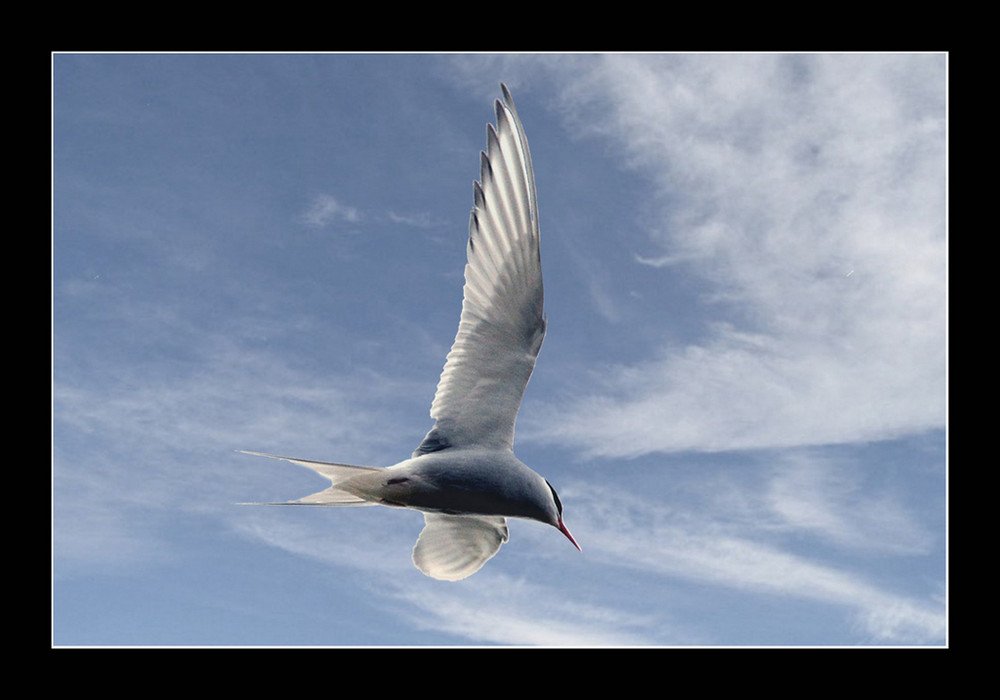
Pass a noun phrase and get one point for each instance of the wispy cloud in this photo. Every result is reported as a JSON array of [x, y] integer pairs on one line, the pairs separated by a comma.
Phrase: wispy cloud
[[503, 610], [161, 438], [808, 193], [417, 220], [326, 209], [706, 546], [834, 501]]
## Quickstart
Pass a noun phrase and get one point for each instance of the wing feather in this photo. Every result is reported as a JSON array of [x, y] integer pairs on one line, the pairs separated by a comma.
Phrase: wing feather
[[502, 324], [453, 547]]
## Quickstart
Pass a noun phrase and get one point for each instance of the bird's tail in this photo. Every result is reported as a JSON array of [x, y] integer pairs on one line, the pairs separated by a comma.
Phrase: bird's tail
[[332, 496]]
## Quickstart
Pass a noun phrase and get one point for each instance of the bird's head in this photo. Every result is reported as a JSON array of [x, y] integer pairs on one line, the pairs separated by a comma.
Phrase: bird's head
[[554, 513]]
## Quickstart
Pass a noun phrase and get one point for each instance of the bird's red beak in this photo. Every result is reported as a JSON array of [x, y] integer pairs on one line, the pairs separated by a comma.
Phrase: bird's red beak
[[565, 530]]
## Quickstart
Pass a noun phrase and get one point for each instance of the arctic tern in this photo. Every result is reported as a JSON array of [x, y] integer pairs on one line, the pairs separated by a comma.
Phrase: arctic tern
[[464, 476]]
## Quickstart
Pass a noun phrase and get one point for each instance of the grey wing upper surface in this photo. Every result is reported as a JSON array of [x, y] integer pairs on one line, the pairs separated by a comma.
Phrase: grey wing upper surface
[[502, 323]]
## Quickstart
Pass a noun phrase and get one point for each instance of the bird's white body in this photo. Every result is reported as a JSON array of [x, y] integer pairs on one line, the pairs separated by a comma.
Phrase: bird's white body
[[464, 475]]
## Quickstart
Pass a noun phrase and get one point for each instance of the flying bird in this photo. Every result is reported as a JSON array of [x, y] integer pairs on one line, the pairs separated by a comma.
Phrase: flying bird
[[464, 476]]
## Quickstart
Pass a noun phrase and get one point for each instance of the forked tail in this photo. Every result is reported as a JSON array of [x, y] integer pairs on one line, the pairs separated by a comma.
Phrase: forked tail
[[332, 496]]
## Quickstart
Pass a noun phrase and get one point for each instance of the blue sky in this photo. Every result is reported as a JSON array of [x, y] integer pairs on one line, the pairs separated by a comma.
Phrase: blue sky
[[741, 398]]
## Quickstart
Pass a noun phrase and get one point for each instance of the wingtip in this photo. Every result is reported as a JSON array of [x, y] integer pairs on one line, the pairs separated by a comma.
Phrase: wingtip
[[505, 104], [506, 93]]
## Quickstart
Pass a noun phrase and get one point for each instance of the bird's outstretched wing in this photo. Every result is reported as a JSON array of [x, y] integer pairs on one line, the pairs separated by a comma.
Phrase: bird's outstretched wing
[[502, 323], [453, 547]]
